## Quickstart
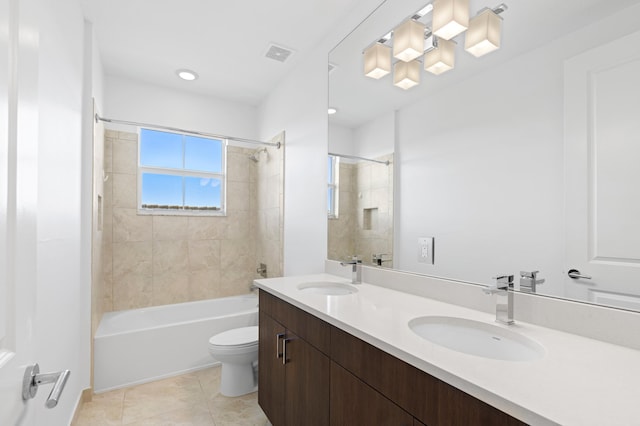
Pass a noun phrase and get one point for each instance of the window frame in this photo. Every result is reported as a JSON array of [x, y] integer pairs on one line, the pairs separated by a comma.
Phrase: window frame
[[333, 182], [222, 176]]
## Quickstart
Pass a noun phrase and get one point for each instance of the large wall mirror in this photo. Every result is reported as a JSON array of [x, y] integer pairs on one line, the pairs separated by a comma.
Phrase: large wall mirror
[[521, 160]]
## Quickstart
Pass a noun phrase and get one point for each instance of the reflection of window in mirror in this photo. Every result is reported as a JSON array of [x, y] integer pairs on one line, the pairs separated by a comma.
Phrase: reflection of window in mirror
[[333, 167]]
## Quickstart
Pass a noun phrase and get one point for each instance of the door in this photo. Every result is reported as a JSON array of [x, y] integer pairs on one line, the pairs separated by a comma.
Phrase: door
[[307, 377], [18, 189], [602, 154], [271, 390]]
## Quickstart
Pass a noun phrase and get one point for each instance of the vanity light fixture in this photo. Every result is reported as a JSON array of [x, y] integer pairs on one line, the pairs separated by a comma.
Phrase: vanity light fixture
[[187, 75], [377, 60], [413, 39], [408, 40], [441, 58], [450, 17], [484, 32], [406, 74]]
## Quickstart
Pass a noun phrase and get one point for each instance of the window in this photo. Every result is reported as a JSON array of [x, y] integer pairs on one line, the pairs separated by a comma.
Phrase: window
[[180, 173], [333, 166]]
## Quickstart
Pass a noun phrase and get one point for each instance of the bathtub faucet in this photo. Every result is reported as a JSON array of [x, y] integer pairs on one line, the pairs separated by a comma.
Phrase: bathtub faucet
[[356, 269]]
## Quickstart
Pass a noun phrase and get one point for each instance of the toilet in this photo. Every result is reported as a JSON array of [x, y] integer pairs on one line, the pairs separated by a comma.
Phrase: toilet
[[237, 350]]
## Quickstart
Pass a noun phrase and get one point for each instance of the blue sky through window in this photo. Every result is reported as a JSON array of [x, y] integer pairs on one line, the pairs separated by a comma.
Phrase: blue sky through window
[[180, 153]]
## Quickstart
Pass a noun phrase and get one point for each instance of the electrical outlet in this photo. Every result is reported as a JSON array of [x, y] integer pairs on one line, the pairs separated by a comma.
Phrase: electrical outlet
[[425, 250]]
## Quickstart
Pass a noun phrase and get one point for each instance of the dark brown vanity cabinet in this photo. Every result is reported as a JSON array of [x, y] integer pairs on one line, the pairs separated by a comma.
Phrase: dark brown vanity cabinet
[[293, 370], [332, 377]]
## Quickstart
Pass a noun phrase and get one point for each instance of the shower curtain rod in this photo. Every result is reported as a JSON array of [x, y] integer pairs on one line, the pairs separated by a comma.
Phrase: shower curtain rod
[[355, 157], [175, 129]]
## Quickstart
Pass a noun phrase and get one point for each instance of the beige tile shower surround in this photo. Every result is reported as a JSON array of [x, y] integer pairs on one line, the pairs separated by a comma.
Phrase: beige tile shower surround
[[363, 186], [157, 260], [189, 399]]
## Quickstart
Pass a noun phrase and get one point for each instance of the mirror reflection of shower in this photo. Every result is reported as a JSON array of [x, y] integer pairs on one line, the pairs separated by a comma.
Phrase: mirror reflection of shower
[[255, 157]]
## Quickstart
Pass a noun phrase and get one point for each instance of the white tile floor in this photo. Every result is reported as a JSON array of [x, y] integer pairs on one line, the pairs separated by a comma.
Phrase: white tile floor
[[189, 399]]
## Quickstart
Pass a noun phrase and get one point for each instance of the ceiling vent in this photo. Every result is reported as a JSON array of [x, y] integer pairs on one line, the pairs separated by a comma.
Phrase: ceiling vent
[[278, 53]]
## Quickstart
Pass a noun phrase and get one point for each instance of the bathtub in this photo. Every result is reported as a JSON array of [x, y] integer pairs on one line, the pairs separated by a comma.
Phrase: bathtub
[[142, 345]]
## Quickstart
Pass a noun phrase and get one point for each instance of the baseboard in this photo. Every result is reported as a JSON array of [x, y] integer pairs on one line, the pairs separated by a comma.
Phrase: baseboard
[[85, 396]]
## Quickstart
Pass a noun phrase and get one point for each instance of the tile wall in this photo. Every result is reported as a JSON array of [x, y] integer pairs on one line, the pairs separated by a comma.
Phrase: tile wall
[[157, 260], [365, 212]]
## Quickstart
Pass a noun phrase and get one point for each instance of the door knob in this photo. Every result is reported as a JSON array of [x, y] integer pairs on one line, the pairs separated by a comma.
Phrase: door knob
[[575, 274], [33, 378]]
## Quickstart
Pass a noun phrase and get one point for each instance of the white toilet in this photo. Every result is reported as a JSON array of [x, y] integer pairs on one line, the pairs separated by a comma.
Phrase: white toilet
[[237, 350]]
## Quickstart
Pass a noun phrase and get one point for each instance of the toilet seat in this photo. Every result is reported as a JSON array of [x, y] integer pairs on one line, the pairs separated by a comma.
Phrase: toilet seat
[[244, 337]]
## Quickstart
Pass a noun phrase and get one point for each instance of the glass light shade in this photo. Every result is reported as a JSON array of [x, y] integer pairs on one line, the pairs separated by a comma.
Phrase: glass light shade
[[377, 61], [408, 40], [484, 32], [442, 58], [406, 74], [450, 17]]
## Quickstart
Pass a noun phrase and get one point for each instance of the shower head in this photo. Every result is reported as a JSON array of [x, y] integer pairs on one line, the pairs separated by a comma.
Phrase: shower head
[[255, 157]]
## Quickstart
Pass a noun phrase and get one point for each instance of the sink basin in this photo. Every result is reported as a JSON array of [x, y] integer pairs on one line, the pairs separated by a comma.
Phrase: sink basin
[[328, 288], [477, 338]]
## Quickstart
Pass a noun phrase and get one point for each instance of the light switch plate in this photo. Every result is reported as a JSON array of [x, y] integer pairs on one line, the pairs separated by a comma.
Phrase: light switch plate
[[425, 250]]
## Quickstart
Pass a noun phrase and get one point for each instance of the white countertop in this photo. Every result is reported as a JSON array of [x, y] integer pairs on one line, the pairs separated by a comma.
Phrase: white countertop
[[580, 381]]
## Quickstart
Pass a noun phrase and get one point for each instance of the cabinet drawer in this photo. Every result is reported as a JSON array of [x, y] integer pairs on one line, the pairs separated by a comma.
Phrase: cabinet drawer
[[430, 400], [353, 402], [306, 326], [405, 385]]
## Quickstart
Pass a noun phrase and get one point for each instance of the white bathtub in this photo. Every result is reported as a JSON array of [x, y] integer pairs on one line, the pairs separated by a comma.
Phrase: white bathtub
[[142, 345]]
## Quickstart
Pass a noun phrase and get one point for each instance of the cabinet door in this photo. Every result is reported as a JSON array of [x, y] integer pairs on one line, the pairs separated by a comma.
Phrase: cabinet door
[[307, 383], [353, 402], [271, 384]]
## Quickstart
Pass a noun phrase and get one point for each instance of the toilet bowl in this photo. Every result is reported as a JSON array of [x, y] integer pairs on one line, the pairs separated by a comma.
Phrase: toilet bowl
[[237, 350]]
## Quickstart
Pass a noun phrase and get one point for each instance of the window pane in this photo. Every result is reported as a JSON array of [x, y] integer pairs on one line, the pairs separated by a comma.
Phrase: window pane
[[330, 198], [204, 193], [160, 149], [330, 169], [161, 190], [203, 154]]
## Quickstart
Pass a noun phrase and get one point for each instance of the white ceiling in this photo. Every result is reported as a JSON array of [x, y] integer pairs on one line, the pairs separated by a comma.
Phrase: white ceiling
[[223, 41]]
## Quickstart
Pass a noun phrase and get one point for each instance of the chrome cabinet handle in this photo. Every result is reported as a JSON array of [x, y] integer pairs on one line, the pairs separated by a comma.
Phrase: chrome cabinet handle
[[284, 351], [32, 379], [575, 274], [278, 337]]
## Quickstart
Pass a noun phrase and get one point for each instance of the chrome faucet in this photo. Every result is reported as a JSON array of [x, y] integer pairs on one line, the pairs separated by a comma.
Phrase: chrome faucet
[[356, 270], [377, 259], [529, 281], [503, 289]]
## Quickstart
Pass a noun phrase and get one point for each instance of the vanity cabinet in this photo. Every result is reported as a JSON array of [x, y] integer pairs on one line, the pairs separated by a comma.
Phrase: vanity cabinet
[[333, 377], [353, 402], [293, 366]]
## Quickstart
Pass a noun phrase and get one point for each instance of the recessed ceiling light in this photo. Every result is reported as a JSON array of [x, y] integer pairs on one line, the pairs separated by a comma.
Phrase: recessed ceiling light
[[187, 75], [332, 111]]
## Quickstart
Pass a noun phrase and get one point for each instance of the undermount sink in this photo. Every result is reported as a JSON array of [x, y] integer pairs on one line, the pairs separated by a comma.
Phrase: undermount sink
[[477, 338], [328, 288]]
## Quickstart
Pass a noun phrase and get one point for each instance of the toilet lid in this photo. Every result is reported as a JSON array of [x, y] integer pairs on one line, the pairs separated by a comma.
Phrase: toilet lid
[[237, 337]]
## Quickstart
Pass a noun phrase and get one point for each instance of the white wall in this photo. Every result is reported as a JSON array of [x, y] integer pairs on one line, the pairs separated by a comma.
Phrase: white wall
[[298, 105], [141, 102], [481, 167], [341, 140], [376, 137], [372, 139], [62, 327]]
